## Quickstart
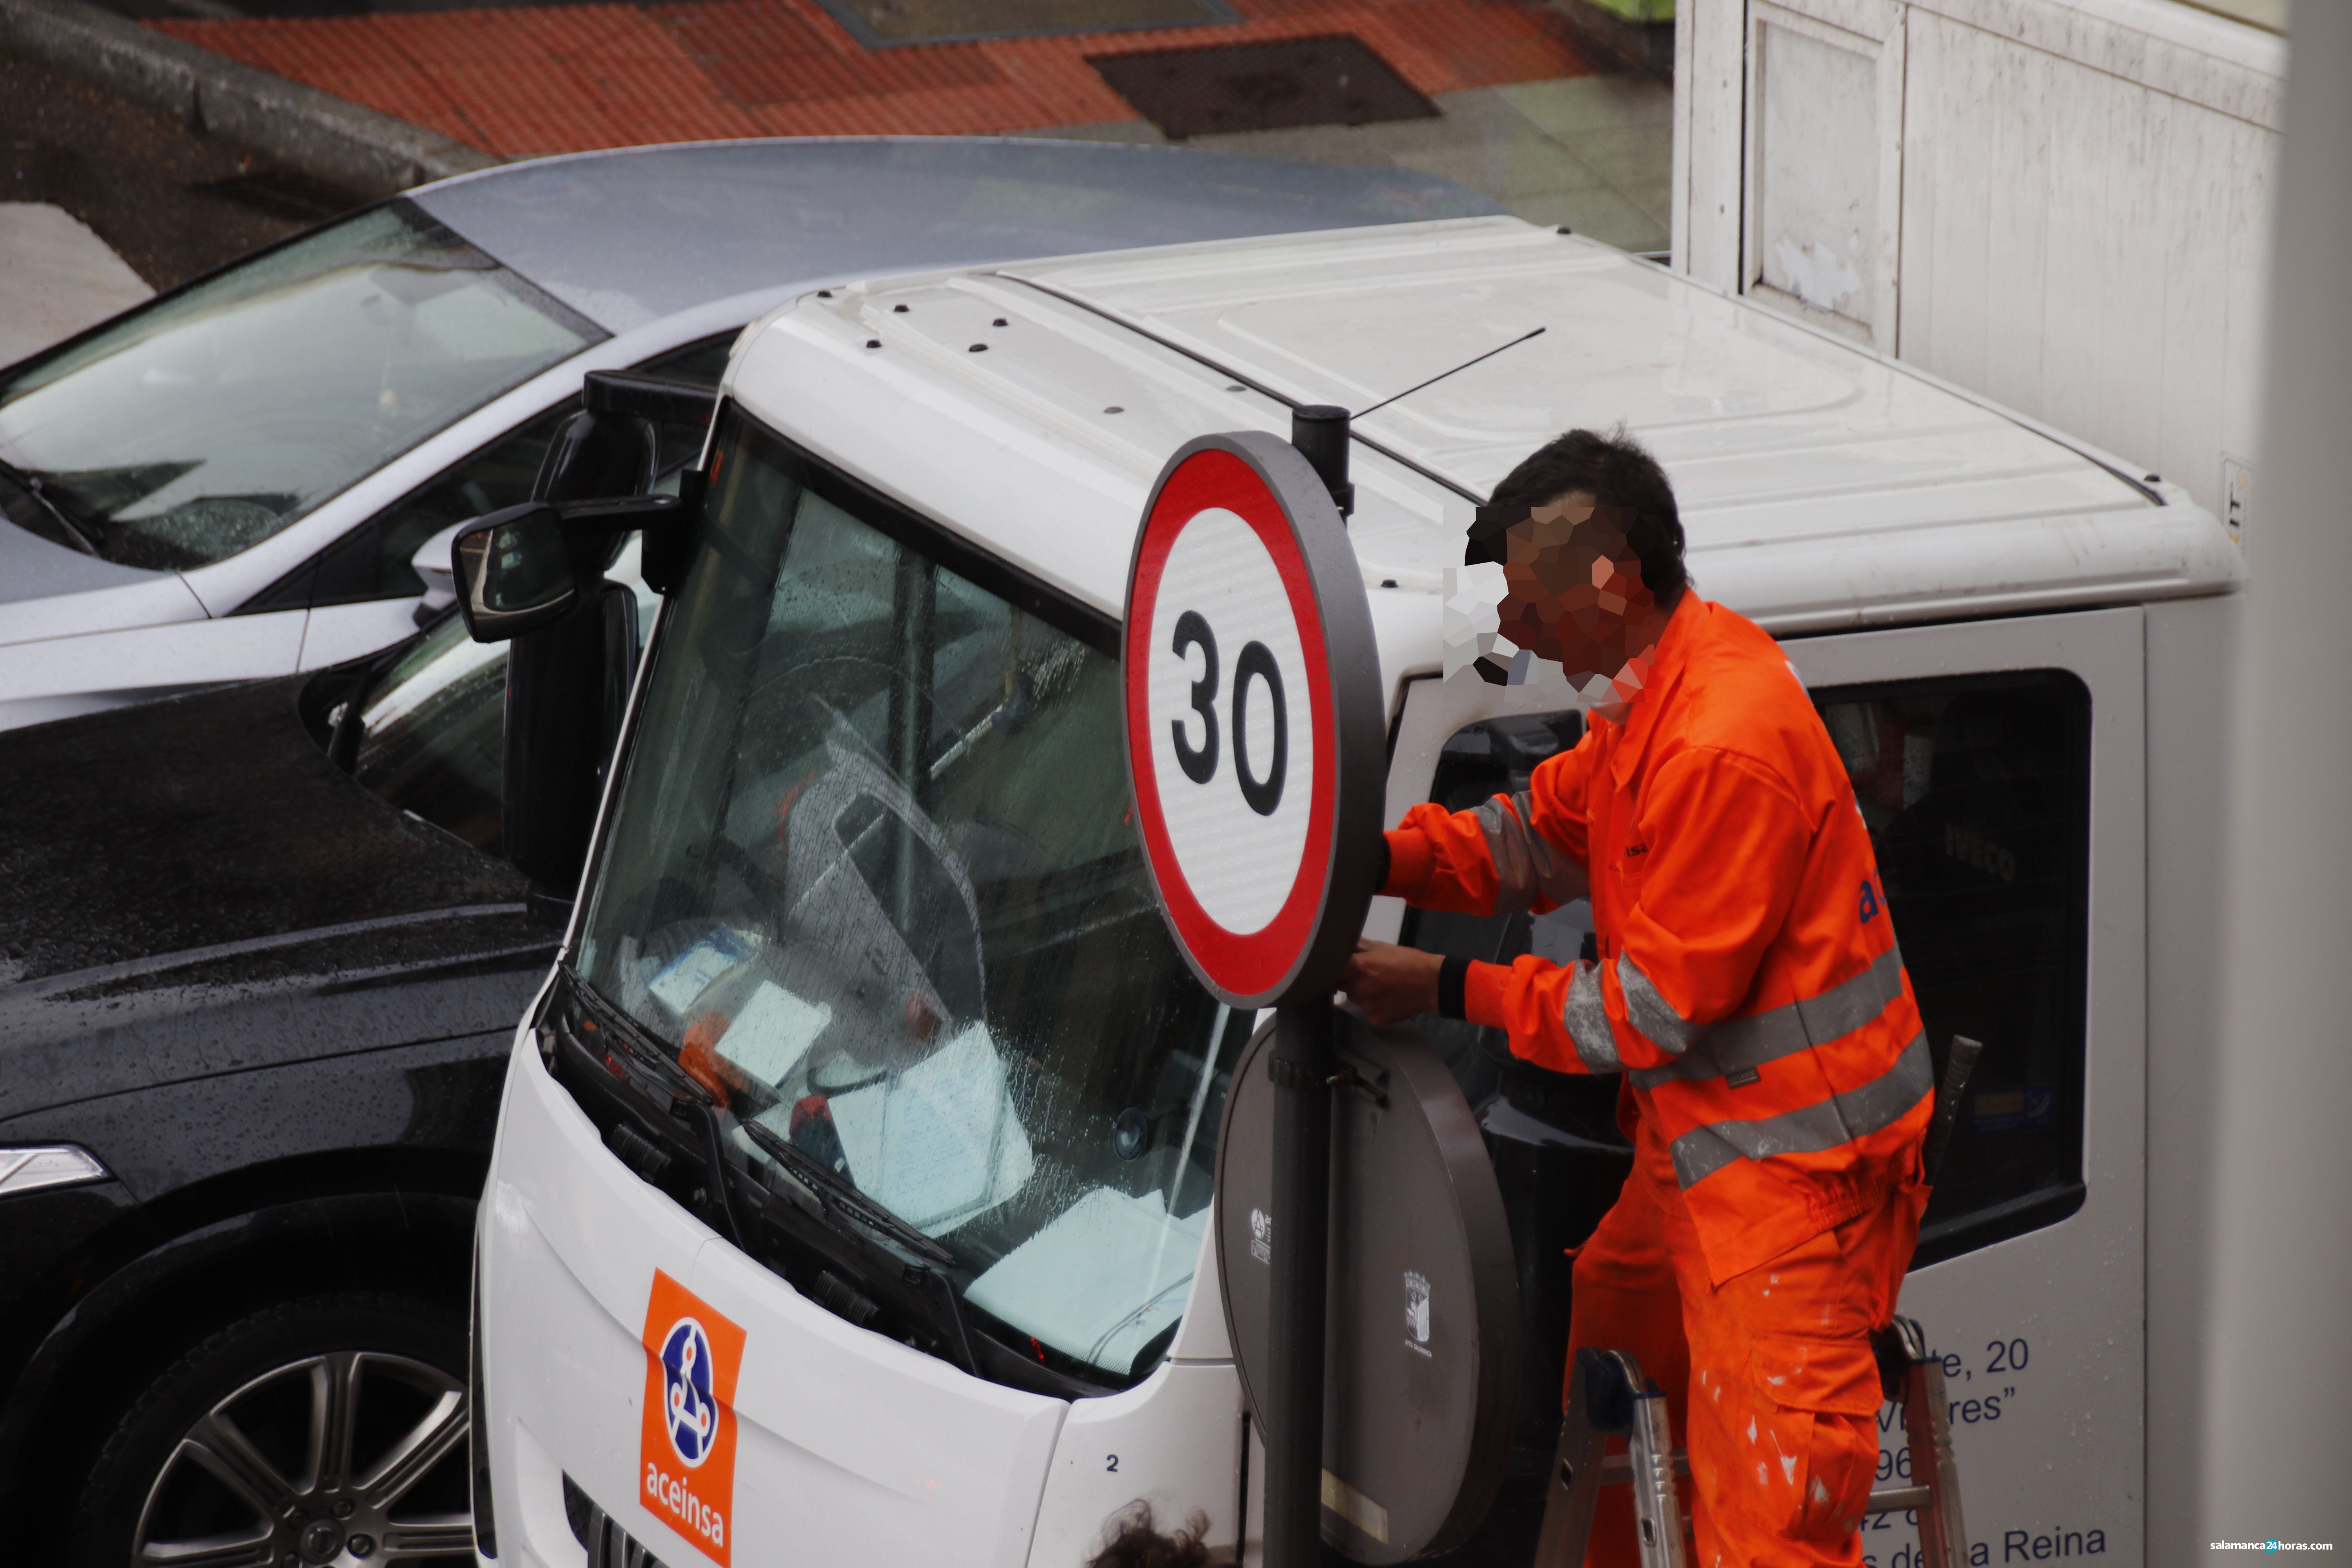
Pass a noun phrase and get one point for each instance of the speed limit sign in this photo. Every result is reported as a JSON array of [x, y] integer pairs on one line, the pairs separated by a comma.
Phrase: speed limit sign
[[1254, 743]]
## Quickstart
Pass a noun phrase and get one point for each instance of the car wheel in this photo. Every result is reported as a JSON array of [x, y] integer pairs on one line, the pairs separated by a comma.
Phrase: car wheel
[[329, 1430]]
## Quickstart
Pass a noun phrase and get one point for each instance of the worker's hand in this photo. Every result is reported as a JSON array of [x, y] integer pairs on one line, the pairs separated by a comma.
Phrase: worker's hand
[[1391, 983]]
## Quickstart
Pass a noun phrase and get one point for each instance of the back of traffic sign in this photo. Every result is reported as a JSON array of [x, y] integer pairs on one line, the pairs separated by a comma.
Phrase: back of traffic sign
[[1423, 1345], [1256, 748]]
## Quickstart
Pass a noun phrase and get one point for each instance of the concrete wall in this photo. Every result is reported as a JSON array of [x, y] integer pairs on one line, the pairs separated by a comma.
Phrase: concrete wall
[[2063, 205]]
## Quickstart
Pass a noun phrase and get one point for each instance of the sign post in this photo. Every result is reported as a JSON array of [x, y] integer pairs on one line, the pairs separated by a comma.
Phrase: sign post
[[1256, 755]]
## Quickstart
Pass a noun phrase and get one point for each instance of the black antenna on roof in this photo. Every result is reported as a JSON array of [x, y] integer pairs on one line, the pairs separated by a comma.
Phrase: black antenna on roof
[[1442, 375], [1320, 431]]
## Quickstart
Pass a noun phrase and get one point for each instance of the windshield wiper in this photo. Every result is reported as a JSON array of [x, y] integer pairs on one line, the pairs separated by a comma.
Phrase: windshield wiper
[[921, 1283], [75, 535], [918, 1280], [829, 1183]]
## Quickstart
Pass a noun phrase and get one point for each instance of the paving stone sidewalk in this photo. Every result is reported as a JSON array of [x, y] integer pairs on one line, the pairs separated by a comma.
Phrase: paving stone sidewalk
[[1523, 116], [1593, 153], [57, 276]]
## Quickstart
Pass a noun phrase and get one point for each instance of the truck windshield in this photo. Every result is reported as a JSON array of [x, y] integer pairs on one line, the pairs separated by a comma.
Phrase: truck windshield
[[872, 878], [199, 425]]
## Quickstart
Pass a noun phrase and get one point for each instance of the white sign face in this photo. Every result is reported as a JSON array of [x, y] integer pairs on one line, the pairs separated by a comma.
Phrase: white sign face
[[1244, 735], [1232, 746]]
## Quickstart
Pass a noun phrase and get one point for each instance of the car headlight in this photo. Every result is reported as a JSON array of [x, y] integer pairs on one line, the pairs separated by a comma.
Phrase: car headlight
[[53, 1165]]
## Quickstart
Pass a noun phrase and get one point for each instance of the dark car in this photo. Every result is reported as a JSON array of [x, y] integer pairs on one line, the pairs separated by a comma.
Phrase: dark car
[[251, 1056], [261, 964]]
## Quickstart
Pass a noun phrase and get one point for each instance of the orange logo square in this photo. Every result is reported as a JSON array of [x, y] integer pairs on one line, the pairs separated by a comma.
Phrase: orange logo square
[[688, 1445]]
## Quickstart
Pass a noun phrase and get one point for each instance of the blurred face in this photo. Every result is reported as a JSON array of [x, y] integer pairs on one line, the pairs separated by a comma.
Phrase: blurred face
[[1575, 592]]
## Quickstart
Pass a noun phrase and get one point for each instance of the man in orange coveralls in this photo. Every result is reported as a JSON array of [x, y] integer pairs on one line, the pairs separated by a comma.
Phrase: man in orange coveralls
[[1777, 1082]]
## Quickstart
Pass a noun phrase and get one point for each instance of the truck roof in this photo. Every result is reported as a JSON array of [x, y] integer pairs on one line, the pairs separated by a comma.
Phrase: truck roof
[[1030, 407]]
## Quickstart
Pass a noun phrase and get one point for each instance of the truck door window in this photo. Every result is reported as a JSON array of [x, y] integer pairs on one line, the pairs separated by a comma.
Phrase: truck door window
[[872, 875], [1498, 756], [1978, 795]]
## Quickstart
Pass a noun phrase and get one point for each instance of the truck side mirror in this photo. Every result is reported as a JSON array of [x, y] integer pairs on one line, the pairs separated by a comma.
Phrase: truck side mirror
[[535, 574], [514, 572], [575, 636], [614, 401]]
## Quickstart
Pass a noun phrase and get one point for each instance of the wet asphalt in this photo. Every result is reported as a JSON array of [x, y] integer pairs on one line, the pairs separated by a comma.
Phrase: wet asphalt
[[172, 202]]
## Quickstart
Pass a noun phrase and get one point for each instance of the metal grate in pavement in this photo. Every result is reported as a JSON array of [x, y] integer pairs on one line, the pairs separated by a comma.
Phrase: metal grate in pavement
[[1328, 80]]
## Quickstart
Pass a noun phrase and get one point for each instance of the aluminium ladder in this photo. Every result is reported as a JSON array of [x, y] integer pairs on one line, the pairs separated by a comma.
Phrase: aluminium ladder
[[1608, 1393]]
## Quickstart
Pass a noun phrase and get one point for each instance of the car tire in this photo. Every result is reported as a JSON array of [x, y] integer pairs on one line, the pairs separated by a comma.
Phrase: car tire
[[325, 1430]]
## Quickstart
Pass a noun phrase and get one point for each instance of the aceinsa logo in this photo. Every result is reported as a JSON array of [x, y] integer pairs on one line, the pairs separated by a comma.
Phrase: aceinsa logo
[[686, 1447], [690, 1412]]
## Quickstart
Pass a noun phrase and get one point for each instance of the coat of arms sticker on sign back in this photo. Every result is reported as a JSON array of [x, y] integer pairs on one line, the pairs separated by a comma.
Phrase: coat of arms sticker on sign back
[[686, 1448]]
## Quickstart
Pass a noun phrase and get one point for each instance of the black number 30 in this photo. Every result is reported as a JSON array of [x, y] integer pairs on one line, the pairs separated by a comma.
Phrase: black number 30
[[1200, 765], [1262, 791]]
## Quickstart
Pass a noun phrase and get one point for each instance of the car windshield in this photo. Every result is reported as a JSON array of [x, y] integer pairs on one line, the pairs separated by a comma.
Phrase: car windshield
[[872, 878], [201, 423]]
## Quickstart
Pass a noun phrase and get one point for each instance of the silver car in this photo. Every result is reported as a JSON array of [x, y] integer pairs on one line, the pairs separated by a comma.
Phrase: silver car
[[229, 481]]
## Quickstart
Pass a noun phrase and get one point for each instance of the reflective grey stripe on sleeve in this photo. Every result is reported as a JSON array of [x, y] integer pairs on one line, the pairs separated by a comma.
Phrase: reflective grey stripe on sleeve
[[1841, 1118], [1563, 881], [1739, 1045], [1653, 1014], [1585, 1016], [1525, 863], [1507, 847]]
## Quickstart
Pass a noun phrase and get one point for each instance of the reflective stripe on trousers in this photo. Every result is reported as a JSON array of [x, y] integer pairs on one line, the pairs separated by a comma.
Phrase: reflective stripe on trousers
[[1840, 1118]]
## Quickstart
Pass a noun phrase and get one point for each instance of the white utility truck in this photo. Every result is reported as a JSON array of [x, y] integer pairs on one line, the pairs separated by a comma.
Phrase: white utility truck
[[851, 1194]]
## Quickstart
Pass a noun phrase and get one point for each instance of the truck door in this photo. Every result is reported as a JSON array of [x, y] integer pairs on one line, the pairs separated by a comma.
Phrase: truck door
[[1976, 761], [2000, 765]]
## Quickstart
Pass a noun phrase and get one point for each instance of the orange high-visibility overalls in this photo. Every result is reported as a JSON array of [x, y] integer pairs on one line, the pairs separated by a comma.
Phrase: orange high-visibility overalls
[[1777, 1081]]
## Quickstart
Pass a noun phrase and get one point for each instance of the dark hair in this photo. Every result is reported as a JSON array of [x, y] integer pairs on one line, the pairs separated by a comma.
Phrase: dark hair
[[1135, 1543], [1616, 471]]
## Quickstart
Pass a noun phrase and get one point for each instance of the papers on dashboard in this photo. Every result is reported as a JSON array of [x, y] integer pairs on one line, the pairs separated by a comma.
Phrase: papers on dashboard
[[773, 1033], [1103, 1279], [686, 976], [940, 1141]]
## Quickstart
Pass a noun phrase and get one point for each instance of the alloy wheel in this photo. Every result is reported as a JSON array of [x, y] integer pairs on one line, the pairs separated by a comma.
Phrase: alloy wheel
[[353, 1458]]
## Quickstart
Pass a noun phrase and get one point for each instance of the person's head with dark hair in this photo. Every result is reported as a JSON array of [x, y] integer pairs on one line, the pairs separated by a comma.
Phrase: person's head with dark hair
[[1135, 1541], [1591, 546]]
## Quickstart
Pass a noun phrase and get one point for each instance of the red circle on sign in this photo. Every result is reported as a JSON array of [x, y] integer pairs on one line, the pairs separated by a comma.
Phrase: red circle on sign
[[1249, 967]]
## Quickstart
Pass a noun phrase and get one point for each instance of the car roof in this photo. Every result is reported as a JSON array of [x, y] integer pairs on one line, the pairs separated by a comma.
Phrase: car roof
[[630, 235], [1820, 485]]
